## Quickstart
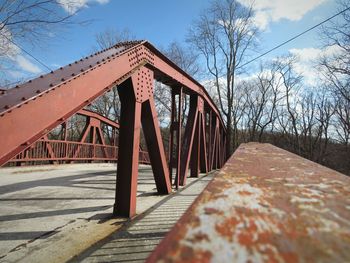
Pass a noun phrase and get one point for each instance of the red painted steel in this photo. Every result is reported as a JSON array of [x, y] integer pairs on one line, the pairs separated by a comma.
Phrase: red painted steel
[[132, 66], [265, 205], [188, 138], [175, 129], [129, 141], [53, 150]]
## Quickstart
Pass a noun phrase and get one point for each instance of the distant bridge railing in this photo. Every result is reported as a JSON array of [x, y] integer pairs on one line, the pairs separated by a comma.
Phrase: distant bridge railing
[[46, 150]]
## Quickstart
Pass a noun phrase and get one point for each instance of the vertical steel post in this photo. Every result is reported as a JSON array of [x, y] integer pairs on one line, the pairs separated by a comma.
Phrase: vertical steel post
[[210, 142], [172, 133], [65, 135], [203, 145], [213, 143], [128, 151], [176, 128], [137, 106], [195, 148], [188, 138], [155, 146]]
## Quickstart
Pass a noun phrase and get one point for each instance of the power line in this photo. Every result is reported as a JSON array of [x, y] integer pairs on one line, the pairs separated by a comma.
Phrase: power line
[[298, 35], [25, 51]]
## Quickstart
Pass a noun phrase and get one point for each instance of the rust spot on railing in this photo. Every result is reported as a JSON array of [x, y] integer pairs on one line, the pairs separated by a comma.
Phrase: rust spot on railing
[[265, 205]]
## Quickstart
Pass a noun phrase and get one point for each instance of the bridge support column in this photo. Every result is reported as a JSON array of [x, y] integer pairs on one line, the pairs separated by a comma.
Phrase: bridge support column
[[128, 151], [175, 129], [194, 164], [155, 147], [188, 138], [199, 149], [214, 142], [138, 107], [203, 145]]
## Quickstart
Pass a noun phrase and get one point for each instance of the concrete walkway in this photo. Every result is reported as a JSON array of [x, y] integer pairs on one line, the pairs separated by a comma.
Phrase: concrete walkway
[[137, 239], [53, 213]]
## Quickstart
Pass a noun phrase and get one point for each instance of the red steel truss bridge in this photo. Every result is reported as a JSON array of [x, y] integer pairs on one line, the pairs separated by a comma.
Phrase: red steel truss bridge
[[28, 113]]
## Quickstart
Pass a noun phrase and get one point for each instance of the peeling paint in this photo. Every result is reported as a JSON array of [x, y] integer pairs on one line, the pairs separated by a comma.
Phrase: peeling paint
[[260, 208]]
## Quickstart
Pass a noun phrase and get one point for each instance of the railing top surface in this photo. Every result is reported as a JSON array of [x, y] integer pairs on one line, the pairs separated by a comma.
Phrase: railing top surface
[[265, 205]]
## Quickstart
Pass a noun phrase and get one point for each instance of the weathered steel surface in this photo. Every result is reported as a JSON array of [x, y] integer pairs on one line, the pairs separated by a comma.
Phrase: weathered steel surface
[[63, 150], [70, 88], [29, 111], [265, 205]]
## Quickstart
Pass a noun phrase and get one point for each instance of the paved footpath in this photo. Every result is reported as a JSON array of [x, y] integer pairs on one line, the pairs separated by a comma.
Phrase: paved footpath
[[137, 239]]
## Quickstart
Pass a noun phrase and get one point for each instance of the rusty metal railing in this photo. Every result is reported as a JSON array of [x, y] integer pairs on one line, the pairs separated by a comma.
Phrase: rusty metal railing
[[59, 150], [265, 205]]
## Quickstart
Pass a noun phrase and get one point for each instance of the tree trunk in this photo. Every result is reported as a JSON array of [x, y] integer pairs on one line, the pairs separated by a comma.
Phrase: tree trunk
[[228, 135]]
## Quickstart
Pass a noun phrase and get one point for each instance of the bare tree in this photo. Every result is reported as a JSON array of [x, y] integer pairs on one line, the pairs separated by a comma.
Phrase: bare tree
[[187, 60], [184, 57], [223, 34], [111, 36], [336, 69], [108, 104], [29, 21], [324, 114]]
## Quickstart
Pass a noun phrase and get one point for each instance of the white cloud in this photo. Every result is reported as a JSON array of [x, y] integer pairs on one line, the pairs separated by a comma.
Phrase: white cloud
[[274, 10], [17, 74], [26, 64], [71, 6], [9, 52], [307, 61]]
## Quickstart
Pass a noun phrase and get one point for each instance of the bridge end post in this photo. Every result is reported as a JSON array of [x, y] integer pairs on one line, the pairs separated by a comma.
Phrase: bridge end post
[[128, 151]]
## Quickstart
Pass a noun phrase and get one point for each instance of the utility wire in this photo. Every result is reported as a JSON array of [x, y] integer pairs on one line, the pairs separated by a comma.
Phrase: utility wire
[[25, 51], [291, 39]]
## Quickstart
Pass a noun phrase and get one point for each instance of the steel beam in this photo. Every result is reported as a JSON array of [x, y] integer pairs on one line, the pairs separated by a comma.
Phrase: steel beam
[[203, 146], [196, 148], [75, 86], [128, 151], [188, 138], [176, 129], [137, 107], [151, 130]]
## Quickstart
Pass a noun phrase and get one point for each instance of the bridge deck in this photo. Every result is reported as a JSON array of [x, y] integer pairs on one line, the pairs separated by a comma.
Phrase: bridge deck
[[265, 205], [136, 240], [51, 213]]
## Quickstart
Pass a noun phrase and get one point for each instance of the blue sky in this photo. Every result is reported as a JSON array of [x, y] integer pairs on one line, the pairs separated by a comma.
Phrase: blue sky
[[163, 21]]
